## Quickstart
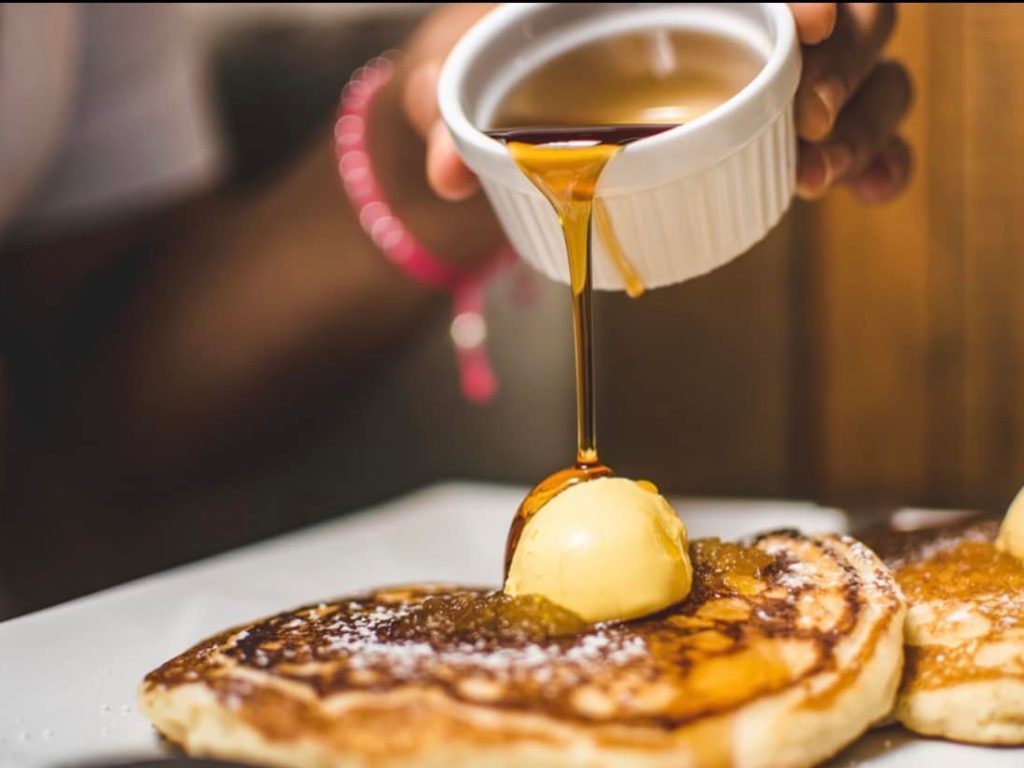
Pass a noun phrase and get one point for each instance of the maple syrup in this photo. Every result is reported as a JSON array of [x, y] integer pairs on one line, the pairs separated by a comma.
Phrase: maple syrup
[[562, 124], [727, 567], [655, 76], [450, 616], [565, 166]]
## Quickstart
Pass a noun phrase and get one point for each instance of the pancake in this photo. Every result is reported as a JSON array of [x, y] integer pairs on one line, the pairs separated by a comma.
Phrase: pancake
[[786, 650], [964, 675]]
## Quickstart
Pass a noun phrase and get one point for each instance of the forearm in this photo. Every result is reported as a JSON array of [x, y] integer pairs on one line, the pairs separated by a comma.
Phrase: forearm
[[247, 316], [254, 308]]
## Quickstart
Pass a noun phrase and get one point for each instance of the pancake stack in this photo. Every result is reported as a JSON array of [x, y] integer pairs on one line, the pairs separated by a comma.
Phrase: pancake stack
[[964, 674], [786, 650]]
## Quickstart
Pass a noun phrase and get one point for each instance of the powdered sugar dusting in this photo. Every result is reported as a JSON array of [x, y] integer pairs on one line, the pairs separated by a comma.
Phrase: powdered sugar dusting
[[363, 637], [941, 544], [797, 576]]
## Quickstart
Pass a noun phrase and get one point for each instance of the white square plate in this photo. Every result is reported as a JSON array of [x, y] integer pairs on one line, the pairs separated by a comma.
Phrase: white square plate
[[68, 675]]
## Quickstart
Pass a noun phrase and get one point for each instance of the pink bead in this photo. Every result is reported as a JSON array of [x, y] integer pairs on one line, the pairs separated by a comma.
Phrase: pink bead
[[478, 381]]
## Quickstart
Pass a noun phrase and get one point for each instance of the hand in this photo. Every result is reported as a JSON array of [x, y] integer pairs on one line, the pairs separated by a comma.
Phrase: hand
[[848, 105], [425, 54], [850, 102], [405, 127]]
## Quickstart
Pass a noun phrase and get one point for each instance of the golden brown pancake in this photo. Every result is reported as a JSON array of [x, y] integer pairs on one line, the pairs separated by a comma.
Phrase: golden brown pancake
[[964, 676], [785, 651]]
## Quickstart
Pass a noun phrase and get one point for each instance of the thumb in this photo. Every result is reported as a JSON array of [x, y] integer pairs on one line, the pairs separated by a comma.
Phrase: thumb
[[419, 96], [447, 175]]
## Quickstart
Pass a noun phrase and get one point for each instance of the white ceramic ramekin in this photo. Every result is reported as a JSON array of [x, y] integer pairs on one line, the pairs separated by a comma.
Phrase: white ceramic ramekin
[[681, 203]]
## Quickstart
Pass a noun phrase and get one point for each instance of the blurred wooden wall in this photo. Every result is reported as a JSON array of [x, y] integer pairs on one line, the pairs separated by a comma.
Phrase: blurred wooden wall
[[861, 355], [916, 310]]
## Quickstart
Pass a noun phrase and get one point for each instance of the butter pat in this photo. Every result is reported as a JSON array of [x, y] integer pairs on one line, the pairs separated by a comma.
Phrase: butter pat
[[606, 549], [1011, 532]]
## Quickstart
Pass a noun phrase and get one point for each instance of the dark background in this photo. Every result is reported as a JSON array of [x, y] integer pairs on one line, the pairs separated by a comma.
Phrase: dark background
[[860, 357]]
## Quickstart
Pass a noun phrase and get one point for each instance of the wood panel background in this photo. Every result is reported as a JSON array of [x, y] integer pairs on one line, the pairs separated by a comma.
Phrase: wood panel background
[[918, 342], [861, 355]]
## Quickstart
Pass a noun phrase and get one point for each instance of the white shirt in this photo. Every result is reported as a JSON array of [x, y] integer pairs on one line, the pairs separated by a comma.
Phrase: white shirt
[[102, 113]]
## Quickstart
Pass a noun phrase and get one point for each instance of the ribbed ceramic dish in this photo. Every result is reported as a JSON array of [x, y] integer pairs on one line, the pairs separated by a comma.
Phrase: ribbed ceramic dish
[[679, 203]]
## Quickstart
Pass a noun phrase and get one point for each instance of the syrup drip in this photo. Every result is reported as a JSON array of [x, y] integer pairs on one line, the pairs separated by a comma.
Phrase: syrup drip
[[565, 165], [562, 124]]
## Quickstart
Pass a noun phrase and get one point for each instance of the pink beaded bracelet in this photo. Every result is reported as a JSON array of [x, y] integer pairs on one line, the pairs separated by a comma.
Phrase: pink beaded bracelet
[[468, 326]]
